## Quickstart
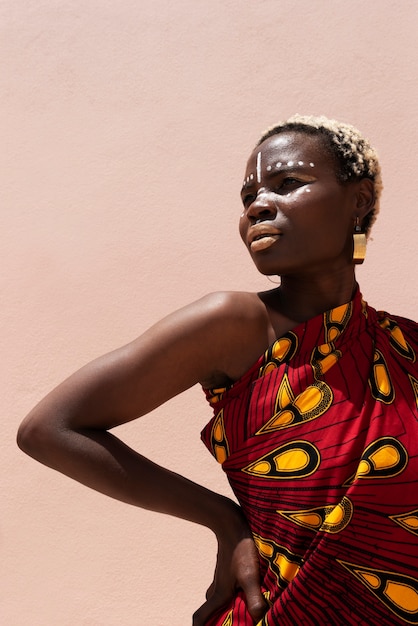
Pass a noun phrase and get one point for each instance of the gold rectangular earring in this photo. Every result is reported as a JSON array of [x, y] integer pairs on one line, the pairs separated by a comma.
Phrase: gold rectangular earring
[[360, 243]]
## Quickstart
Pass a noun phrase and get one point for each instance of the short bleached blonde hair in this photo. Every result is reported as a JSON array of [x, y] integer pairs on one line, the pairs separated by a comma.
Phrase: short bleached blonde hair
[[354, 156]]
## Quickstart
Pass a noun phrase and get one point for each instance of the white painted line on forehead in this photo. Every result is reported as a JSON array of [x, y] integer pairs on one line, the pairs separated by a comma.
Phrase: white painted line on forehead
[[259, 167]]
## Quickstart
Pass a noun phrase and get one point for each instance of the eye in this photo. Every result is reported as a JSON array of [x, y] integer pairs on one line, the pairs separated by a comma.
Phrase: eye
[[290, 180], [248, 199], [289, 183]]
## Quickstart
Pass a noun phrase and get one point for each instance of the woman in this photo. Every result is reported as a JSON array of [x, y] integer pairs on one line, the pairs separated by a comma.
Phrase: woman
[[318, 436]]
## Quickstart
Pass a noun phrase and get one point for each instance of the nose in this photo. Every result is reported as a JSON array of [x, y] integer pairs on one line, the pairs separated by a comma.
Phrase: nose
[[262, 208]]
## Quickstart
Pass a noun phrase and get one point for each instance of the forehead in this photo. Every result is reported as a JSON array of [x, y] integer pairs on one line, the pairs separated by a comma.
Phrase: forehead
[[292, 146]]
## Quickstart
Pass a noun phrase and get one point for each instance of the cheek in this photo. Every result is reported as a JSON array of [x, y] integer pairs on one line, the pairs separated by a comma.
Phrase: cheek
[[243, 226]]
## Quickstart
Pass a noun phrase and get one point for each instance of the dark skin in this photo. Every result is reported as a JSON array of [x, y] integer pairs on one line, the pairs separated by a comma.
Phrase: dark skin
[[298, 223]]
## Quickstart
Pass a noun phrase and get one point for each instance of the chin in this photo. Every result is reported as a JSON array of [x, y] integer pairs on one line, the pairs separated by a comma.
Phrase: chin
[[268, 270]]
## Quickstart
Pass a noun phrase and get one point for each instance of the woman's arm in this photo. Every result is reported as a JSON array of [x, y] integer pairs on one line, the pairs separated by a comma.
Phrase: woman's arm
[[68, 429]]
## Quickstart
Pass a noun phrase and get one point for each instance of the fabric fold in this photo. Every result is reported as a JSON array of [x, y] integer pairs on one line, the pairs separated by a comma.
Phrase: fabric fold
[[319, 442]]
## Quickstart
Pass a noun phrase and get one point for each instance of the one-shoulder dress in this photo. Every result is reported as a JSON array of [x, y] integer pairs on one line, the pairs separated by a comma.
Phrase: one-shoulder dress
[[319, 441]]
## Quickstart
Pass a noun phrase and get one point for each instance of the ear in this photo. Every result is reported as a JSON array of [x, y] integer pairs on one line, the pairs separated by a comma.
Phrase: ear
[[365, 198]]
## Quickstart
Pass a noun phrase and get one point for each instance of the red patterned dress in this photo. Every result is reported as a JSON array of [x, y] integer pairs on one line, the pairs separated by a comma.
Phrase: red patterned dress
[[319, 441]]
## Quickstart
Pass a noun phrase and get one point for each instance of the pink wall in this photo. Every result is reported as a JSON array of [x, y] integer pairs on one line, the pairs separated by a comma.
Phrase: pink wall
[[126, 129]]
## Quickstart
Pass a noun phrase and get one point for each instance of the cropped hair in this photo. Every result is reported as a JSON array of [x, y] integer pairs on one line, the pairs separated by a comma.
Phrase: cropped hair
[[354, 156]]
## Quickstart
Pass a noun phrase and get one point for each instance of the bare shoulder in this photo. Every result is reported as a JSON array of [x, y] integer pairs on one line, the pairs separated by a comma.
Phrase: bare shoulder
[[211, 341], [237, 305], [238, 327]]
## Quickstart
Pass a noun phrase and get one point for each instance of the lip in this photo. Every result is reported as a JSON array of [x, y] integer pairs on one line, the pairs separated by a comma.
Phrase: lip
[[258, 231]]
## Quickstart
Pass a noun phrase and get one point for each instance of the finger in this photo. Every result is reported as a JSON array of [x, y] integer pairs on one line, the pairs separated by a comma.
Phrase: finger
[[257, 609], [256, 603]]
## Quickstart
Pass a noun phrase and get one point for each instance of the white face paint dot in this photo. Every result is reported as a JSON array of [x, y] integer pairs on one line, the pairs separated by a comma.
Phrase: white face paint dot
[[278, 164], [312, 164], [268, 168], [300, 162], [307, 190], [251, 176], [290, 163]]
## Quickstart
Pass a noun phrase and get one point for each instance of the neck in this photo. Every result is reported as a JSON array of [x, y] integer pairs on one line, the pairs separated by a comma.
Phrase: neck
[[302, 298]]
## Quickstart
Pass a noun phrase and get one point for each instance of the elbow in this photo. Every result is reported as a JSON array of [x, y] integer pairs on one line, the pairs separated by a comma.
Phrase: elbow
[[34, 438]]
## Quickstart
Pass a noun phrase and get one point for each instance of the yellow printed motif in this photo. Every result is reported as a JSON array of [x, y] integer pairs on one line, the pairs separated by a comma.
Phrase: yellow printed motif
[[323, 358], [285, 395], [295, 459], [267, 595], [216, 394], [312, 402], [280, 352], [284, 564], [308, 405], [397, 340], [218, 440], [329, 518], [336, 320], [383, 458], [380, 382], [399, 593], [408, 521], [228, 621]]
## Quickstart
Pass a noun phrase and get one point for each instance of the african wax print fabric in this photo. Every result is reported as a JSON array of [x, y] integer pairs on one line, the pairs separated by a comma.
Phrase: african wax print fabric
[[319, 441]]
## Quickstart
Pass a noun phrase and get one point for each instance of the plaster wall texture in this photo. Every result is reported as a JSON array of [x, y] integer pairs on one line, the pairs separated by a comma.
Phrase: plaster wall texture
[[125, 130]]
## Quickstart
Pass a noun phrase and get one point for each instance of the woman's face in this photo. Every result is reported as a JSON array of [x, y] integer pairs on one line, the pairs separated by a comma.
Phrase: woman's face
[[297, 217]]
